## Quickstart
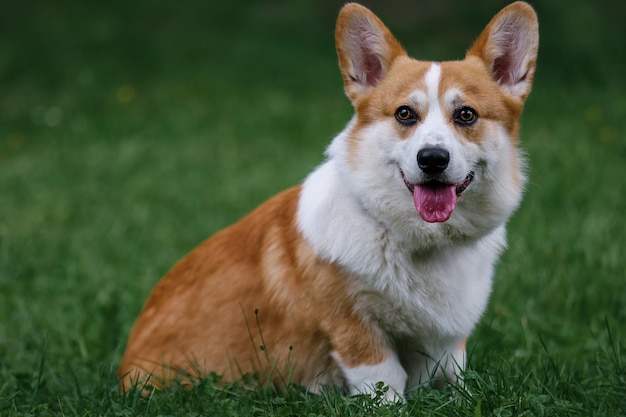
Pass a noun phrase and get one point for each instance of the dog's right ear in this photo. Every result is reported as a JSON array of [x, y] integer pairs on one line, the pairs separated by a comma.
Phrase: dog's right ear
[[508, 48], [366, 49]]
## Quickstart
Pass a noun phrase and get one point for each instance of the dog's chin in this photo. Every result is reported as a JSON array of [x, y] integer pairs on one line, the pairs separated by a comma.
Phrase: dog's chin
[[435, 200]]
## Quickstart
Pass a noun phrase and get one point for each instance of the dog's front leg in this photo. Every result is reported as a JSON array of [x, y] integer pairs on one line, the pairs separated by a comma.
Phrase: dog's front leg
[[362, 379], [366, 359]]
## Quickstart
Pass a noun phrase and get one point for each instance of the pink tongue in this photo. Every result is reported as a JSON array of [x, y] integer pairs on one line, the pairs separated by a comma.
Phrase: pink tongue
[[435, 202]]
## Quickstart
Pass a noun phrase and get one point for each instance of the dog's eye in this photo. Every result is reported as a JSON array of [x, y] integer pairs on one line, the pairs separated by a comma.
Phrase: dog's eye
[[465, 116], [406, 115]]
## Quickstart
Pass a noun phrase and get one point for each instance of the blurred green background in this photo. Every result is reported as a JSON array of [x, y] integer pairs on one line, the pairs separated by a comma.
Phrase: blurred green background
[[131, 131]]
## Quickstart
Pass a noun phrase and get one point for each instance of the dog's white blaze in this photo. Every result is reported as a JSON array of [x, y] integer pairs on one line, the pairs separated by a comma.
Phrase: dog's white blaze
[[431, 130], [431, 79]]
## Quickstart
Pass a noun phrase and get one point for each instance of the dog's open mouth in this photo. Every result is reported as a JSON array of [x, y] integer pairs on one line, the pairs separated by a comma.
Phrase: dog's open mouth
[[434, 200]]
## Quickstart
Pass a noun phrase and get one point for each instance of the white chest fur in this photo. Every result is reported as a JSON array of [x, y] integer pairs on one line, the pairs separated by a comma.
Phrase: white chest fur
[[433, 297]]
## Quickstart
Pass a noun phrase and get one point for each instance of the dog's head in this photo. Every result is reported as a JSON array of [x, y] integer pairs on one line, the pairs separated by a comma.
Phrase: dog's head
[[436, 138]]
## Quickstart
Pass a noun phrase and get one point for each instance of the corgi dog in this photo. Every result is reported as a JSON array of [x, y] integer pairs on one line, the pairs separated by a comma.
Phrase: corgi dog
[[379, 265]]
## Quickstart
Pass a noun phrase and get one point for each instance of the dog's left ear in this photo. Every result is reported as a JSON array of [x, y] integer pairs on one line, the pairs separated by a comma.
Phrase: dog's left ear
[[366, 49], [508, 47]]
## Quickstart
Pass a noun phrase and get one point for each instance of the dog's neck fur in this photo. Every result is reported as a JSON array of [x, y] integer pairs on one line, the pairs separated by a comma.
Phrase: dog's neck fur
[[391, 266]]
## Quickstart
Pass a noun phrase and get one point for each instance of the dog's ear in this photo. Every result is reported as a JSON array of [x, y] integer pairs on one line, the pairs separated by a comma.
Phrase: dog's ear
[[366, 49], [508, 47]]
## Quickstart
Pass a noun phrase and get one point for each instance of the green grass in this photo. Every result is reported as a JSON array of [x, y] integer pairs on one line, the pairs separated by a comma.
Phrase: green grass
[[131, 131]]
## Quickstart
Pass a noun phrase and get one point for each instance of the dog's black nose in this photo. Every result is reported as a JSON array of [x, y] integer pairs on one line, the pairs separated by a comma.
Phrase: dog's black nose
[[433, 160]]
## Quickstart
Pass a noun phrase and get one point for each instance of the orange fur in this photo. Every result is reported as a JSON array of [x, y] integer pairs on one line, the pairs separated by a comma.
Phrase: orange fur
[[258, 264]]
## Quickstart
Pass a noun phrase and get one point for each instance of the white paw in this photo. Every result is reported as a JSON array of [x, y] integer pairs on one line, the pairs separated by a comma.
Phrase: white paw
[[387, 378]]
